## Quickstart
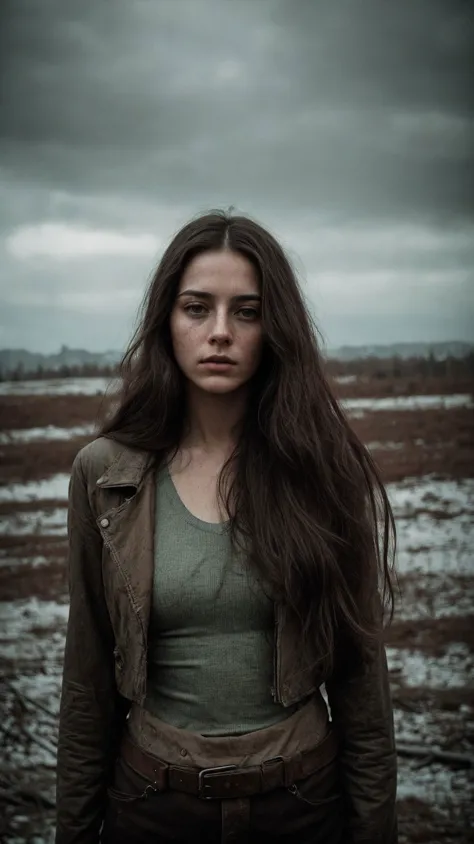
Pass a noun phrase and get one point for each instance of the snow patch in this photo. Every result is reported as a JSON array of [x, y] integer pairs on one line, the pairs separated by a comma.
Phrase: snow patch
[[434, 785], [50, 432], [345, 379], [50, 488], [360, 406], [18, 618], [33, 562], [414, 668], [430, 493], [35, 522], [433, 596], [385, 446], [59, 387]]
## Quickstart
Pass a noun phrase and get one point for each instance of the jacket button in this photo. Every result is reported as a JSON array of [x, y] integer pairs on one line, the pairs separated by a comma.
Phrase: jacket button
[[104, 522]]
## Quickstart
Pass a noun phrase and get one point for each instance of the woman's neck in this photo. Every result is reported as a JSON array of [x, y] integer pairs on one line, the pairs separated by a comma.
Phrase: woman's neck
[[213, 421]]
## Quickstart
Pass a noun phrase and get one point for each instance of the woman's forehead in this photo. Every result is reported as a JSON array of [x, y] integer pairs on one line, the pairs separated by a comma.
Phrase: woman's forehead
[[220, 273]]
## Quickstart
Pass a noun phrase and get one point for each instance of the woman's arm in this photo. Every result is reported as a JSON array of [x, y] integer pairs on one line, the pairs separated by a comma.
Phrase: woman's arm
[[90, 711], [361, 710]]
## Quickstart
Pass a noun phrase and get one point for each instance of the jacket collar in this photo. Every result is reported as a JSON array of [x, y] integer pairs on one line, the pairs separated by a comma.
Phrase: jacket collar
[[127, 469]]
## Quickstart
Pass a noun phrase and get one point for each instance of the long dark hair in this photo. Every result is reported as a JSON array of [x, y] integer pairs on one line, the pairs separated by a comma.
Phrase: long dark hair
[[302, 492]]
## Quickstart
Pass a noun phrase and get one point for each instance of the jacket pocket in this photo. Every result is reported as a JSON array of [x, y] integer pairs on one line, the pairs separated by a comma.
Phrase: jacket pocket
[[126, 797], [312, 799], [127, 785], [321, 788]]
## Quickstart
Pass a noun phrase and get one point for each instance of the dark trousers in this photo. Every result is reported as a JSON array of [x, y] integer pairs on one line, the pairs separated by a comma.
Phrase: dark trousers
[[310, 811]]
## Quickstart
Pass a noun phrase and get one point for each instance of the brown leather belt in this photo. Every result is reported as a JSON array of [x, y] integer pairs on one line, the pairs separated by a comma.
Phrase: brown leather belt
[[228, 780]]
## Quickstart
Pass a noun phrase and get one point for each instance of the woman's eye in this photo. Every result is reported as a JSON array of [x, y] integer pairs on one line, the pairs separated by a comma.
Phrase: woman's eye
[[195, 309], [249, 313]]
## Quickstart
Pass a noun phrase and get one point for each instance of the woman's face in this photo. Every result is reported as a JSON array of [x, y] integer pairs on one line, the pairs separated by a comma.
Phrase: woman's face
[[217, 314]]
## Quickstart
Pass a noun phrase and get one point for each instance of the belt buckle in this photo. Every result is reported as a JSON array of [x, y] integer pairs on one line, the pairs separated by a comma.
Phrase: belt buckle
[[210, 771]]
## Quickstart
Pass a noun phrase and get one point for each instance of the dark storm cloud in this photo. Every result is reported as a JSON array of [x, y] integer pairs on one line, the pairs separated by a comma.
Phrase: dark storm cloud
[[360, 104], [347, 126]]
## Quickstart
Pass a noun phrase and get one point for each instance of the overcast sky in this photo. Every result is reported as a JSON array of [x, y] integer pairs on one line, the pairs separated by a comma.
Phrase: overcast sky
[[347, 128]]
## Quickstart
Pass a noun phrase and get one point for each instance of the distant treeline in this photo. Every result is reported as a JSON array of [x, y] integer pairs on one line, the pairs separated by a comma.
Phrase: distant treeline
[[369, 367], [398, 367], [83, 370]]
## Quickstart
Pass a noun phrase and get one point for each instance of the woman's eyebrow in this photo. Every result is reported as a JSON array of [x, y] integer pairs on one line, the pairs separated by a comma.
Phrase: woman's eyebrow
[[203, 294]]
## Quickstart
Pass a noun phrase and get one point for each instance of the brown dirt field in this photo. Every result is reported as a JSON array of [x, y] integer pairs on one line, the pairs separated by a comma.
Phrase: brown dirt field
[[420, 824], [20, 412], [48, 581], [23, 462], [435, 427], [366, 387], [423, 699], [429, 637], [27, 546], [10, 507], [416, 462], [446, 450], [447, 446]]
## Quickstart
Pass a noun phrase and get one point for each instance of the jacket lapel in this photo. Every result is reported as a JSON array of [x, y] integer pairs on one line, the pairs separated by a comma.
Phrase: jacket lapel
[[127, 528]]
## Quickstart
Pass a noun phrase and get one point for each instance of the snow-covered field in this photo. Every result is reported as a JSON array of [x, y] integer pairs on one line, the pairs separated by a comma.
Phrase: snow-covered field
[[51, 488], [58, 387], [50, 432], [430, 652], [99, 386], [356, 406]]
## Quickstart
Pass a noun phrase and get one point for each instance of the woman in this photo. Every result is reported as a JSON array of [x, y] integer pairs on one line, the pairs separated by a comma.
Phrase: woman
[[224, 565]]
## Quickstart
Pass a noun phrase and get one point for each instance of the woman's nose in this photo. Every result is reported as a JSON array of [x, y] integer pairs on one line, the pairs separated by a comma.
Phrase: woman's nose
[[220, 331]]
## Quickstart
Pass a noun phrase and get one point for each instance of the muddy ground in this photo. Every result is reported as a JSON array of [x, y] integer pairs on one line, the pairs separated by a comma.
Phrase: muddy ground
[[426, 455]]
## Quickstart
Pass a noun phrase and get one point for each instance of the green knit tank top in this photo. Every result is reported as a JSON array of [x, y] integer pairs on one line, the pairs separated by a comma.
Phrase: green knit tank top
[[210, 656]]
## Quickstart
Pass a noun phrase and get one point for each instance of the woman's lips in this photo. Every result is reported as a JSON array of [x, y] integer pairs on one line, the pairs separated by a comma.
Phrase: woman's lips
[[217, 366]]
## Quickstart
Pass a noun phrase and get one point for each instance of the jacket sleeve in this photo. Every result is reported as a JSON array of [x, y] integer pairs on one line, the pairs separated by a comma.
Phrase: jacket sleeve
[[362, 715], [90, 705]]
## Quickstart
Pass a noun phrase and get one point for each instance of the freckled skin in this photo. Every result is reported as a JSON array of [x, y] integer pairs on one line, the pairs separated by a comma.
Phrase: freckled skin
[[217, 324]]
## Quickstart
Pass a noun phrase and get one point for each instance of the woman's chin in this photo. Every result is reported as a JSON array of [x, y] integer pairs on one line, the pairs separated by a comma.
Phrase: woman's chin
[[217, 385]]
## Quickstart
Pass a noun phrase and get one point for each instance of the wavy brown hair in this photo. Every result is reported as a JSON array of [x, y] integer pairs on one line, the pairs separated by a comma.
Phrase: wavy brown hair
[[303, 494]]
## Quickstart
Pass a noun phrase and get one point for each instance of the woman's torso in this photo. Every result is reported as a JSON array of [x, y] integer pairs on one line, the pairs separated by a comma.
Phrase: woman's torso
[[211, 635]]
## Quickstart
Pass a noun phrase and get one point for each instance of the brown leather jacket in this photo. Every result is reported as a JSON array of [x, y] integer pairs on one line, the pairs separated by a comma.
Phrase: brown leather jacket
[[110, 529]]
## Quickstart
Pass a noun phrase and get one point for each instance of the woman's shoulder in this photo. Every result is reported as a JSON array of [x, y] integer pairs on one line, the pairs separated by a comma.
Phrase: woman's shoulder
[[99, 455]]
